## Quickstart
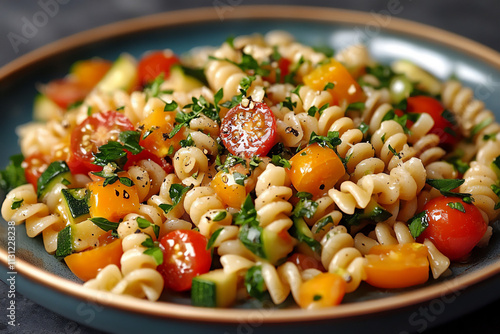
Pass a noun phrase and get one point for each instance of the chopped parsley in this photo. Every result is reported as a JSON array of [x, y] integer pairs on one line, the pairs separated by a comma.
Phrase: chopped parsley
[[480, 126], [254, 283], [144, 223], [16, 203], [153, 249], [214, 237], [313, 110], [358, 106], [331, 140], [418, 224], [456, 206], [305, 207], [176, 192], [280, 161], [445, 187], [329, 85], [13, 175], [105, 224]]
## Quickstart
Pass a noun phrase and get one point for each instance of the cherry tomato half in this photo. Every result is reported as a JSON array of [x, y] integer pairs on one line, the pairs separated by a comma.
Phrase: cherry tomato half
[[444, 126], [397, 266], [155, 63], [65, 92], [283, 65], [185, 256], [306, 262], [86, 265], [34, 165], [89, 72], [453, 232], [324, 290], [345, 89], [249, 130], [93, 132], [315, 169]]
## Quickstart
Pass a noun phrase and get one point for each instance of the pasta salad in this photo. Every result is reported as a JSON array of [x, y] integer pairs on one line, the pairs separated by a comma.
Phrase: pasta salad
[[263, 168]]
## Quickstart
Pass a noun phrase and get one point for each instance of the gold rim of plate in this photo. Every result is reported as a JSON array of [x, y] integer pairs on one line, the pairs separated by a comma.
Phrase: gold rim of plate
[[209, 14]]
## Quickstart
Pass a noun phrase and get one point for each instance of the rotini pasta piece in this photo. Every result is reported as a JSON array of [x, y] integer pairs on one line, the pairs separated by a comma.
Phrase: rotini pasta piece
[[279, 282], [391, 145], [163, 197], [338, 255], [147, 176], [325, 210], [278, 38], [373, 114], [399, 233], [296, 51], [203, 206], [478, 181], [138, 276], [135, 105], [36, 216], [190, 165], [474, 119], [204, 142], [488, 153], [45, 138], [404, 182], [424, 143], [308, 98], [184, 98], [435, 170], [223, 74], [296, 129], [198, 57], [129, 225], [355, 57]]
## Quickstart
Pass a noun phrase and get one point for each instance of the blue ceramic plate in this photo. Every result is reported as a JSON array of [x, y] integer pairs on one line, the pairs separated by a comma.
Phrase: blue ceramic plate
[[48, 282]]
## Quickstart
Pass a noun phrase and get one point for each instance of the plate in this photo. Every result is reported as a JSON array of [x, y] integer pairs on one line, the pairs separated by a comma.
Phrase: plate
[[48, 282]]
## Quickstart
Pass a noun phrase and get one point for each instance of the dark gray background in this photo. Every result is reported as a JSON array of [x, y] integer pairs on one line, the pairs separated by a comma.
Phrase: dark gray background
[[478, 20]]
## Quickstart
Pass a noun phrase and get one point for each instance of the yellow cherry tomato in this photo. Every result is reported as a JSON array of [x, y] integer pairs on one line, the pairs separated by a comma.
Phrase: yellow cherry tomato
[[85, 265], [345, 89], [112, 201], [315, 169], [90, 72], [231, 193], [324, 290], [397, 266], [155, 130]]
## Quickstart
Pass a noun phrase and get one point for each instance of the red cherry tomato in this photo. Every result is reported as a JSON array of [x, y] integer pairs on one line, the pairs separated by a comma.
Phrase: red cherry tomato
[[453, 232], [185, 256], [155, 63], [249, 131], [34, 165], [93, 132], [65, 92], [448, 132], [305, 262], [283, 64]]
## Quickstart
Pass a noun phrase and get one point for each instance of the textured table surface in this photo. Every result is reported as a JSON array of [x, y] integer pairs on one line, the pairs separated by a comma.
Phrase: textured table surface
[[476, 20]]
